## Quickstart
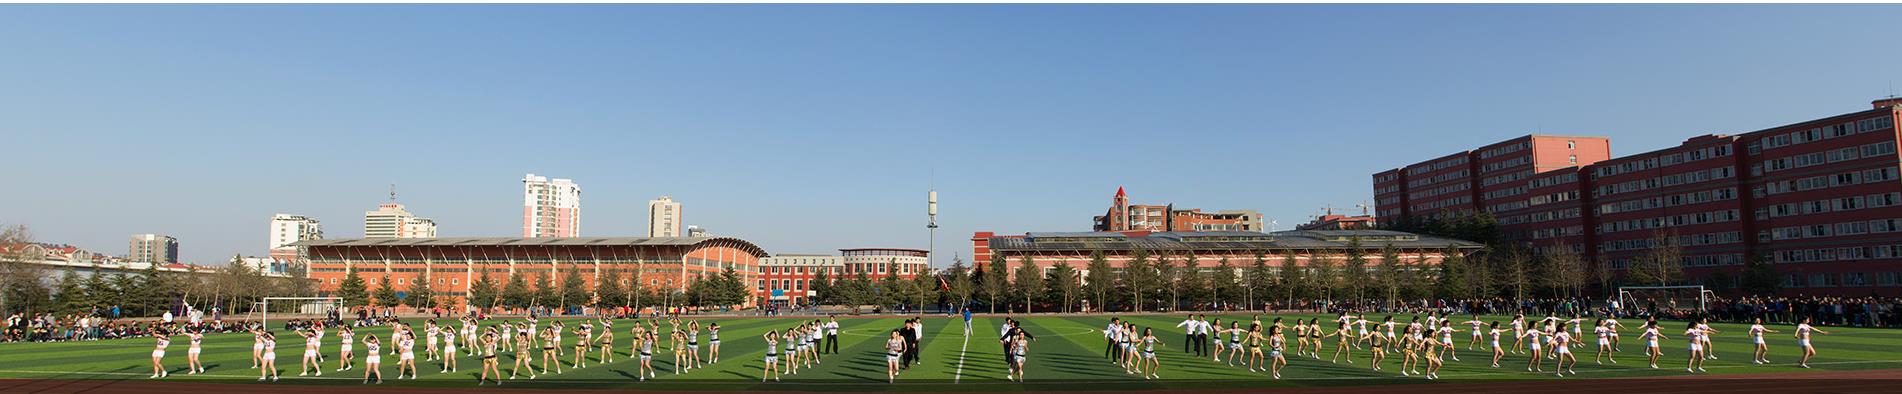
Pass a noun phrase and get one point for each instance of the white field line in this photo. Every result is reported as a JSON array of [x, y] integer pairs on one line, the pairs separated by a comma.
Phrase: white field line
[[959, 375]]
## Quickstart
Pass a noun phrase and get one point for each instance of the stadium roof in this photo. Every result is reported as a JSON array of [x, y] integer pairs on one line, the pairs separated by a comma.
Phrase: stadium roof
[[1222, 240]]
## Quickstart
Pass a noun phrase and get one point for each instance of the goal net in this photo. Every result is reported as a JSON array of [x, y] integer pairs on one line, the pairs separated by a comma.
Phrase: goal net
[[1670, 300], [287, 308]]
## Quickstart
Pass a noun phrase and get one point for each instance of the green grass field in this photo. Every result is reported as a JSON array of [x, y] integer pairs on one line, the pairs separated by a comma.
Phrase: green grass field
[[1068, 356]]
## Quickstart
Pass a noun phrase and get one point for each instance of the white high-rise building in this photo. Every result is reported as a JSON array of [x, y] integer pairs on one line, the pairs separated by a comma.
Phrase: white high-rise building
[[550, 208], [663, 218], [153, 248], [390, 220], [287, 229]]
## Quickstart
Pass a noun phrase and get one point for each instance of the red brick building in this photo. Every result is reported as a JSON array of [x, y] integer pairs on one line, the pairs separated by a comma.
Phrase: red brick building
[[1332, 221], [1819, 198], [1123, 216], [1207, 248], [454, 263]]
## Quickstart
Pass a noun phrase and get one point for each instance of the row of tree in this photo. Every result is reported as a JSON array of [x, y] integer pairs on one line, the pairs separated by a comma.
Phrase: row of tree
[[523, 289], [29, 287]]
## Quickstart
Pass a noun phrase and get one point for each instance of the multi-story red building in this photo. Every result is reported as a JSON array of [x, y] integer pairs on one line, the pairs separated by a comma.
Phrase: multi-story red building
[[1123, 216], [787, 279], [1818, 198], [1208, 248]]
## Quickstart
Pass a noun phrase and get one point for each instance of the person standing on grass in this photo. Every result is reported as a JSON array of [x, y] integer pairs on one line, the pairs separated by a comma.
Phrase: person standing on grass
[[1537, 354], [693, 342], [1110, 342], [550, 354], [1651, 336], [1603, 332], [584, 334], [197, 337], [449, 350], [606, 342], [158, 353], [772, 357], [1757, 330], [1518, 333], [1019, 350], [680, 353], [1275, 358], [647, 338], [1254, 359], [1703, 324], [524, 344], [310, 354], [1474, 325], [257, 347], [832, 335], [373, 360], [1446, 347], [713, 342], [347, 338], [967, 322], [1562, 345], [430, 333], [1430, 350], [1149, 342], [489, 346], [1215, 329], [1694, 335], [1803, 331], [1344, 338], [406, 354], [1188, 326]]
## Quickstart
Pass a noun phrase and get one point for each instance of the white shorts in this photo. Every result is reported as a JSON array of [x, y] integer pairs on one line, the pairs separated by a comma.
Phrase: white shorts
[[449, 349], [194, 352], [432, 342], [891, 359], [406, 357], [1535, 346], [158, 353], [346, 348], [697, 347], [1564, 350], [1149, 354], [1020, 360], [270, 356], [1448, 341], [1235, 346], [1651, 343], [373, 359], [1495, 344], [1757, 340], [308, 353], [1274, 353], [1696, 347], [1803, 342], [769, 359], [257, 346], [1604, 341]]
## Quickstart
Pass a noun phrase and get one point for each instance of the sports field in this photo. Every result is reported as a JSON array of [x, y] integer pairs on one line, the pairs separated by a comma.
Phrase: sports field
[[1068, 355]]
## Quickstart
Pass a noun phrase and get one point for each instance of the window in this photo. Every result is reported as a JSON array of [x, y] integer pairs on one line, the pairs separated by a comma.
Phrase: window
[[1572, 145], [1574, 159]]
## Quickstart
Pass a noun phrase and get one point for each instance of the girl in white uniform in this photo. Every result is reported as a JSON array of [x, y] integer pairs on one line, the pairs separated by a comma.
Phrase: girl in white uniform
[[257, 348], [1803, 331], [449, 351], [1476, 326], [1756, 337], [1694, 335], [1275, 359], [310, 354], [893, 347], [1612, 323], [713, 342], [1518, 333], [347, 355], [191, 355], [372, 359], [158, 353], [1562, 345], [1703, 324], [1534, 350], [1446, 341], [1019, 350], [406, 355], [431, 334], [269, 358], [772, 356], [1651, 336], [1603, 332]]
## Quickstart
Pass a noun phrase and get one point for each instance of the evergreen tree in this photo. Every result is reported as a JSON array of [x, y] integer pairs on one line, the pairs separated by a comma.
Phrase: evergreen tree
[[821, 289], [958, 278], [385, 294], [69, 296], [1138, 277], [925, 289], [515, 293], [994, 281], [1063, 286], [1759, 276], [609, 290], [1294, 278], [1389, 277], [99, 290], [353, 291], [1260, 281], [422, 293], [1452, 281], [1222, 283], [574, 292], [482, 293], [1028, 284], [1100, 280], [547, 291]]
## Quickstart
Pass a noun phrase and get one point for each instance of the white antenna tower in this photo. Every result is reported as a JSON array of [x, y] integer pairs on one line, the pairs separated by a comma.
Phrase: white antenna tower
[[392, 192]]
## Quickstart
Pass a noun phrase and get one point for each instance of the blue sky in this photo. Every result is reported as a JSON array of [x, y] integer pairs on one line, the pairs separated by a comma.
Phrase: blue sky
[[813, 128]]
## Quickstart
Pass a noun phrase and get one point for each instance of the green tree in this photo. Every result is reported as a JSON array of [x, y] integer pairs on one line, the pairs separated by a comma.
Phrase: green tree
[[69, 296], [994, 282], [1139, 277], [515, 293], [353, 291], [1100, 280], [821, 288], [574, 291], [925, 289], [860, 291], [891, 290], [1260, 281], [608, 289], [1063, 284], [385, 294], [547, 291], [1452, 281], [422, 292], [482, 292], [1222, 284], [1389, 278], [1293, 278], [1029, 283], [99, 290], [958, 278]]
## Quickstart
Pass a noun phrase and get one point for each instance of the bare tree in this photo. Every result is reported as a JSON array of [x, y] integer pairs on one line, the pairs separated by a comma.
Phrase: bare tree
[[1662, 264], [20, 279], [1513, 273], [1565, 271]]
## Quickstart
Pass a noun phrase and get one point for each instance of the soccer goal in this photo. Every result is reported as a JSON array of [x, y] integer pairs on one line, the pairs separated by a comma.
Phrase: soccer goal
[[1664, 298], [298, 307]]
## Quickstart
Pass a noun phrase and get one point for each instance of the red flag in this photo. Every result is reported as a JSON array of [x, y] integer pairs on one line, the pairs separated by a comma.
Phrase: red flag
[[944, 285]]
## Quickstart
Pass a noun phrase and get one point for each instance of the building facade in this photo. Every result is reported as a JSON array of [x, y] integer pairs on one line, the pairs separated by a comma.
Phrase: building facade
[[550, 207], [1331, 221], [287, 229], [390, 220], [1207, 249], [153, 248], [1123, 216], [452, 264], [786, 280], [664, 218], [880, 262], [1818, 199]]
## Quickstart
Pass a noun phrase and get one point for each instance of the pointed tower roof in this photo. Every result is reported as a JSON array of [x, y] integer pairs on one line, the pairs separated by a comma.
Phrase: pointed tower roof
[[1119, 191]]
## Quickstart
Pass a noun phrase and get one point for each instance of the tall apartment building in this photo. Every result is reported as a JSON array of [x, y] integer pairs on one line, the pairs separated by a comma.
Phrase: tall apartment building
[[153, 248], [664, 218], [390, 220], [550, 207], [1820, 199], [1123, 216], [287, 229]]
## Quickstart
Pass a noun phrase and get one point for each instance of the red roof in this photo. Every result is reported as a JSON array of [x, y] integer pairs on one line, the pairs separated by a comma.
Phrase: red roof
[[1119, 191]]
